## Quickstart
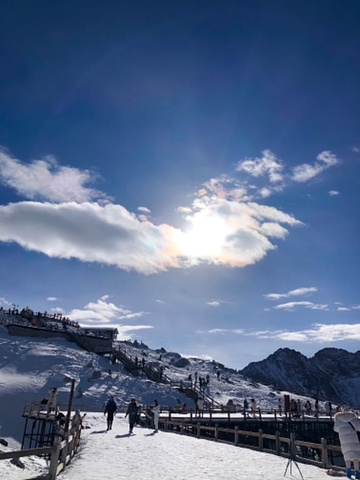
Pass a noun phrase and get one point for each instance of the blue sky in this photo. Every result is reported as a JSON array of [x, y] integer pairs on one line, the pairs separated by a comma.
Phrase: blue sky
[[185, 171]]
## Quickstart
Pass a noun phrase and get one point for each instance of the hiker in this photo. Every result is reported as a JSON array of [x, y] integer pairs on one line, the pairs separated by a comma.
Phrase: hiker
[[110, 410], [156, 412], [346, 424], [132, 411]]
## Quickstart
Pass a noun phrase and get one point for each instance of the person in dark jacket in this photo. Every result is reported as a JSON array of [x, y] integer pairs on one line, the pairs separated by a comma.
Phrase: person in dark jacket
[[132, 411], [110, 410]]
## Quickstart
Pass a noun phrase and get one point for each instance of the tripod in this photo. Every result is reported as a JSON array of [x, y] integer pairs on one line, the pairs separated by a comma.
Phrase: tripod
[[292, 458]]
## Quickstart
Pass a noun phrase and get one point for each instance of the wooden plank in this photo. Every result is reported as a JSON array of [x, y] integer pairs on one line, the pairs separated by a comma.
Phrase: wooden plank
[[26, 453]]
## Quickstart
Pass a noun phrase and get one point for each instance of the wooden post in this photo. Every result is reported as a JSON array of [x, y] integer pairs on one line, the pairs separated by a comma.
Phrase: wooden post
[[260, 413], [67, 422], [277, 443], [261, 440], [324, 453], [216, 432], [228, 414], [236, 435], [275, 417], [210, 411], [181, 428], [54, 458], [198, 430]]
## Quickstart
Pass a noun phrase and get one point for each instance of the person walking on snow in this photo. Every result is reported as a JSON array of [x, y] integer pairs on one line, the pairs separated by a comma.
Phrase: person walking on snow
[[156, 412], [132, 411], [346, 424], [110, 410]]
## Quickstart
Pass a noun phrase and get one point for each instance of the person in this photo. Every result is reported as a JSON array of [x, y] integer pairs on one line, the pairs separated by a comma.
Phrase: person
[[280, 406], [346, 424], [200, 405], [132, 412], [156, 412], [253, 406], [246, 406], [77, 419], [52, 401], [110, 409]]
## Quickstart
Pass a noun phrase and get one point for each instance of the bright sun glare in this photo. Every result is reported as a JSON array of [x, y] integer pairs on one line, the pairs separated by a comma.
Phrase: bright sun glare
[[206, 238]]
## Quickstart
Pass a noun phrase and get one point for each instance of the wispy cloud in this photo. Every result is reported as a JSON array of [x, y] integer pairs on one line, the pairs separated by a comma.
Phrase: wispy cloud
[[318, 333], [214, 303], [144, 209], [333, 193], [292, 293], [51, 299], [343, 309], [306, 171], [44, 179], [309, 305]]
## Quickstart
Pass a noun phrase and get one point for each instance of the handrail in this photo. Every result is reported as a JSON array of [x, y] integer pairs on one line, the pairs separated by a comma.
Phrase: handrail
[[212, 433]]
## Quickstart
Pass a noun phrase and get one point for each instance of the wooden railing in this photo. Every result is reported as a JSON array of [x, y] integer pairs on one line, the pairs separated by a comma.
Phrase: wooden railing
[[61, 453], [286, 447]]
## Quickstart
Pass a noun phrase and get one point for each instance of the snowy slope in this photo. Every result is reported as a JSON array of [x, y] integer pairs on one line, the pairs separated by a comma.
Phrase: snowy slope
[[29, 367]]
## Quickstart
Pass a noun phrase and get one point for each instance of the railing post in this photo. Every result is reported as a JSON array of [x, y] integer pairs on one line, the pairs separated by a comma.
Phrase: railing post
[[324, 453], [261, 440], [275, 415], [236, 435], [54, 458], [181, 428], [216, 432], [260, 413], [210, 411], [277, 443], [198, 430]]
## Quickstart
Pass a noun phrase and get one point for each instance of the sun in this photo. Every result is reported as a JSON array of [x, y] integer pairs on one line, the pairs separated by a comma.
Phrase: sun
[[206, 237]]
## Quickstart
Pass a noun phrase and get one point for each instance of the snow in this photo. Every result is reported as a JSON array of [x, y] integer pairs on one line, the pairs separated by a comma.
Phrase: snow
[[29, 367]]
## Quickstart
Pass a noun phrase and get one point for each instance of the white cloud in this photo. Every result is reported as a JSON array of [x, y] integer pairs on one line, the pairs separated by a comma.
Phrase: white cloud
[[223, 331], [306, 171], [45, 179], [356, 149], [4, 302], [144, 209], [268, 164], [51, 299], [292, 305], [291, 293], [103, 313], [320, 333], [356, 307], [219, 231], [333, 193], [159, 301], [343, 309], [213, 303]]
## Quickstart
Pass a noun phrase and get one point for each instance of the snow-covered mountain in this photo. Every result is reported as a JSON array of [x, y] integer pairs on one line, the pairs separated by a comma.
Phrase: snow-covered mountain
[[29, 367], [332, 373]]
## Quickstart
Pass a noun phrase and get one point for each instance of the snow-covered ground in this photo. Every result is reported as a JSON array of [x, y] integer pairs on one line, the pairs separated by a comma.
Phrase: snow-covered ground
[[146, 455], [29, 367]]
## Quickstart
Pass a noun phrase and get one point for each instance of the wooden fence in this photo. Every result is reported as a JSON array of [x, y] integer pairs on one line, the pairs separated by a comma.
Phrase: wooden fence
[[298, 450], [61, 453]]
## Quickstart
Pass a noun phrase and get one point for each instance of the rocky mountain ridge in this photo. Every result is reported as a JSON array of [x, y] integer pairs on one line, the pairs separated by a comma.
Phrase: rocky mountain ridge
[[332, 374]]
